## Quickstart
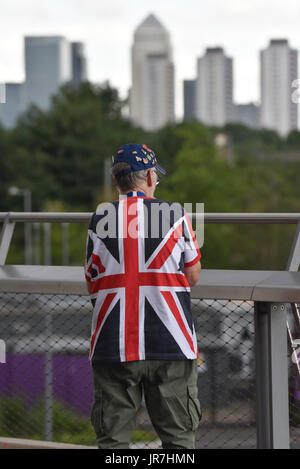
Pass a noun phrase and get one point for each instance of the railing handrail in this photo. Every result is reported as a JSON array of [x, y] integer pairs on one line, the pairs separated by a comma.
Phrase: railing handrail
[[226, 217], [252, 285]]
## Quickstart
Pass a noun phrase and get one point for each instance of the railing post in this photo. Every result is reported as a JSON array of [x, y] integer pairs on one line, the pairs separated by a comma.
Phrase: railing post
[[272, 399], [48, 424], [48, 354], [5, 238], [294, 256]]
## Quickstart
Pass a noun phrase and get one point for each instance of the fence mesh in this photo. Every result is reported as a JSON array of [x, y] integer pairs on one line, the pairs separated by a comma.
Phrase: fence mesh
[[46, 388]]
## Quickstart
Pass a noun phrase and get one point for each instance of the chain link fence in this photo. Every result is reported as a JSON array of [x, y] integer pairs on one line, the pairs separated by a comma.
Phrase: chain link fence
[[46, 388]]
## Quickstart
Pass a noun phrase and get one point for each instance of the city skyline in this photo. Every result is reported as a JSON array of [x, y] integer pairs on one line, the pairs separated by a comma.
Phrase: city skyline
[[51, 61], [106, 29]]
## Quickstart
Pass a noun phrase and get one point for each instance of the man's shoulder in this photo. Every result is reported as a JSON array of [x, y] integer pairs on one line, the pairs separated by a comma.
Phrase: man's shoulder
[[149, 201], [105, 207], [103, 210], [159, 212]]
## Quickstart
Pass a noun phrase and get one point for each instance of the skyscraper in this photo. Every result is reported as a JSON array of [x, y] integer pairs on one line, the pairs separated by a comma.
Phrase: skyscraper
[[248, 115], [50, 62], [278, 69], [79, 72], [214, 88], [152, 91], [189, 100], [13, 106], [48, 66]]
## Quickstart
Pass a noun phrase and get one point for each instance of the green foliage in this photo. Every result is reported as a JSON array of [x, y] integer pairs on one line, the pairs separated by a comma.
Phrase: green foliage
[[60, 155], [62, 151], [12, 417], [143, 436], [18, 421], [6, 151]]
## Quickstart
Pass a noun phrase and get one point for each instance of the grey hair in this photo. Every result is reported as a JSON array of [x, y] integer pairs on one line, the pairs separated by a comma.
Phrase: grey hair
[[129, 181]]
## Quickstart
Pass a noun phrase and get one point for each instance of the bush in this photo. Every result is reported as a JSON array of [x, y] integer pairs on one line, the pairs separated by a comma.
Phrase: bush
[[69, 426], [17, 421]]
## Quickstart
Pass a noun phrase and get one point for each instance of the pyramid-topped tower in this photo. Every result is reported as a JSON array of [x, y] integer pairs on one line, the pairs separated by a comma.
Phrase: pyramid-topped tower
[[150, 22], [152, 92]]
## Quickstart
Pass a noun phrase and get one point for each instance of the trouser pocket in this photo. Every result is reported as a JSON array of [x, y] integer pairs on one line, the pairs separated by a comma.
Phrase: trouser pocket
[[194, 407], [96, 412]]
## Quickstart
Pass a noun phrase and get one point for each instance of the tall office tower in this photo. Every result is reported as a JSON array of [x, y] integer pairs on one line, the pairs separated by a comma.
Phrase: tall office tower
[[278, 69], [13, 106], [79, 72], [152, 90], [189, 100], [214, 88], [248, 115], [48, 66]]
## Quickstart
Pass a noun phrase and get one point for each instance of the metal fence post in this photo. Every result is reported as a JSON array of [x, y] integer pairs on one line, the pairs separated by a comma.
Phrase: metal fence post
[[28, 227], [48, 424], [294, 256], [272, 399], [65, 244], [5, 238], [48, 354], [36, 243]]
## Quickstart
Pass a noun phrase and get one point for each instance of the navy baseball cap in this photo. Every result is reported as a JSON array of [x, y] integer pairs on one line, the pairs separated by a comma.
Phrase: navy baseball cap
[[139, 157]]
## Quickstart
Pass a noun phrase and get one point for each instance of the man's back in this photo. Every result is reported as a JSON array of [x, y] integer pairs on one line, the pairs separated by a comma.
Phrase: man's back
[[137, 250]]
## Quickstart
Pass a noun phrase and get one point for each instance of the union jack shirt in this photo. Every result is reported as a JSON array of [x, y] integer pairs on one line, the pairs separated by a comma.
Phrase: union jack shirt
[[136, 251]]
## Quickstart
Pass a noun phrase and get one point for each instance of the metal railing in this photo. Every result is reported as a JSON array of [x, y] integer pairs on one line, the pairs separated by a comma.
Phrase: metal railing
[[246, 381]]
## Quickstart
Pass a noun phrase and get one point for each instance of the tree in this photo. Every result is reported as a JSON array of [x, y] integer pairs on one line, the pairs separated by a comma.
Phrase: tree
[[71, 141], [6, 167]]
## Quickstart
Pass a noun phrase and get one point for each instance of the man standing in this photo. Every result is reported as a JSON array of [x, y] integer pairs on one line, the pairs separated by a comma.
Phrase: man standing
[[142, 256]]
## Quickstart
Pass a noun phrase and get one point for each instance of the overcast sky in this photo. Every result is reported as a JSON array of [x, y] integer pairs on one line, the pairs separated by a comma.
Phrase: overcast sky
[[242, 27]]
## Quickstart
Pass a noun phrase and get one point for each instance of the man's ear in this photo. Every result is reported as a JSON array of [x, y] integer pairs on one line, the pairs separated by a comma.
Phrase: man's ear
[[149, 179]]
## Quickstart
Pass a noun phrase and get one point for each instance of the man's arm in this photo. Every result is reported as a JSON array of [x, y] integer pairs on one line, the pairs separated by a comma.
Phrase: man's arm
[[192, 273], [88, 285], [88, 255]]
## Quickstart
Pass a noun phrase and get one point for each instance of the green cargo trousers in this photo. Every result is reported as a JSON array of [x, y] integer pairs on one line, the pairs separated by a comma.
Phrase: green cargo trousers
[[171, 397]]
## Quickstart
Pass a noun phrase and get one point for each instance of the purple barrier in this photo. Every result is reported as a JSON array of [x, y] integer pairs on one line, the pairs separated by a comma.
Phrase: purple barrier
[[23, 376], [73, 382]]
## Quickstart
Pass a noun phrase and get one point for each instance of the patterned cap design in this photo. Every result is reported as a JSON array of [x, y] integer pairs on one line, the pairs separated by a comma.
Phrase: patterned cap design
[[139, 157]]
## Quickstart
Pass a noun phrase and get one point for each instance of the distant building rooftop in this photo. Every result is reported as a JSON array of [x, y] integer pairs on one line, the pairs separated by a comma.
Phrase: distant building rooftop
[[150, 22], [279, 42], [212, 50]]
